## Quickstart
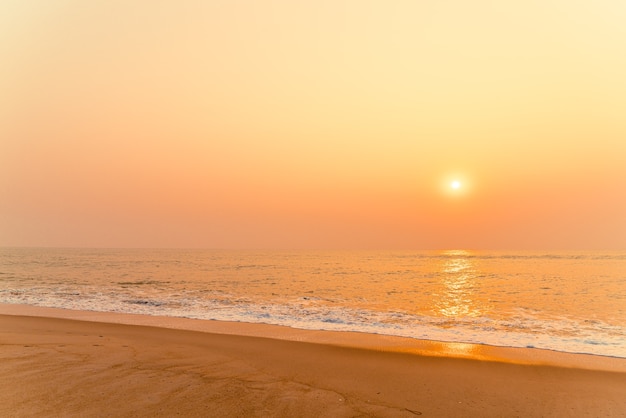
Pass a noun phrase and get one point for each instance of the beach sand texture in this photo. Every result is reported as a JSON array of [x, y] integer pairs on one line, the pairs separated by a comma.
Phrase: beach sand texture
[[61, 367]]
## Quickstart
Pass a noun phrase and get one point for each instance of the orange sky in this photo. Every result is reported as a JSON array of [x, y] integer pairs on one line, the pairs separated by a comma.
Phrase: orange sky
[[313, 124]]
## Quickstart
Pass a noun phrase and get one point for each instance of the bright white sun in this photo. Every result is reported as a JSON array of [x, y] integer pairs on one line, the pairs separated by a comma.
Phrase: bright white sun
[[455, 184]]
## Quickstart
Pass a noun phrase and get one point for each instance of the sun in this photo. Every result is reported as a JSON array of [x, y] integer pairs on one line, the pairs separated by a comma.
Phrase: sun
[[456, 185]]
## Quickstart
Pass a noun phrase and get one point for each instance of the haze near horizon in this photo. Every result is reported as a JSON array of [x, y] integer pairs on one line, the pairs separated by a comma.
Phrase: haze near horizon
[[321, 124]]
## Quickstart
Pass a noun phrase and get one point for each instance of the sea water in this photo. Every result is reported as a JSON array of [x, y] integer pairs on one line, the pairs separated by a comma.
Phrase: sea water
[[564, 301]]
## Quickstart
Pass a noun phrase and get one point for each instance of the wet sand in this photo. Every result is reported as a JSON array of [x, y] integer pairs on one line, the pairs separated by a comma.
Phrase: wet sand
[[66, 367]]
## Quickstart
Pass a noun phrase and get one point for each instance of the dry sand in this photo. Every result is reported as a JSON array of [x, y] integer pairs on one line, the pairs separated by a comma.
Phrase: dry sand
[[63, 367]]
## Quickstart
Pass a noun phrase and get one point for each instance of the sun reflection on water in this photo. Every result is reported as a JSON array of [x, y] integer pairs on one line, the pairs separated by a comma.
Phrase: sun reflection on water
[[457, 297]]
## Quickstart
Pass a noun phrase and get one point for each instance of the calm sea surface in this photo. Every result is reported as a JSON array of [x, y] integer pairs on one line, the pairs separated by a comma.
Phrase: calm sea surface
[[565, 301]]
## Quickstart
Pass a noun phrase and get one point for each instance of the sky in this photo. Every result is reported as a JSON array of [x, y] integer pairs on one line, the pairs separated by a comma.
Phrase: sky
[[321, 124]]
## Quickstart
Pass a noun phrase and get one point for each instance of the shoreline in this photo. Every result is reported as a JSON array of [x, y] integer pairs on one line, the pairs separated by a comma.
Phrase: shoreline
[[79, 367], [359, 340]]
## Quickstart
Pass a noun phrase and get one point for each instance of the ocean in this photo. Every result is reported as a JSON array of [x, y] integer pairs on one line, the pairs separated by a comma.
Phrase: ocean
[[565, 301]]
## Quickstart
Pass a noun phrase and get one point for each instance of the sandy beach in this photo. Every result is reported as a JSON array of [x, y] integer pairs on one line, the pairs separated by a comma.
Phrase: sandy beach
[[65, 367], [312, 209]]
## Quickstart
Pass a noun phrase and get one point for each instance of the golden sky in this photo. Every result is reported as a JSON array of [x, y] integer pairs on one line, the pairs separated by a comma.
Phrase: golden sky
[[313, 124]]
